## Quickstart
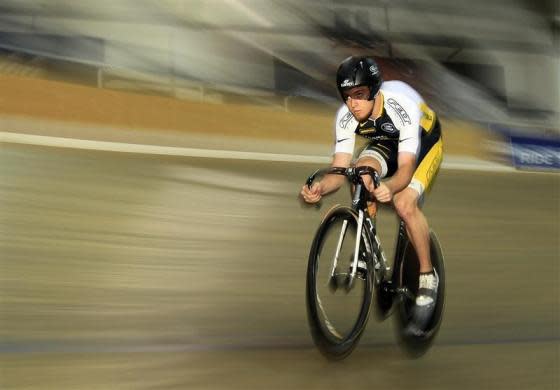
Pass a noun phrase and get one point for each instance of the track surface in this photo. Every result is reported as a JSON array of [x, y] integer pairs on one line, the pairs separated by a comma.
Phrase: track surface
[[124, 271]]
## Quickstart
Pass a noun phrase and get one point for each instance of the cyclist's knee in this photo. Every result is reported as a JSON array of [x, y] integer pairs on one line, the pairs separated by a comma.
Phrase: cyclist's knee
[[371, 162], [406, 204]]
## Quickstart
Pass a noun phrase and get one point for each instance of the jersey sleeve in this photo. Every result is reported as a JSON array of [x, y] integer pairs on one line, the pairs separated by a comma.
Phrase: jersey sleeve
[[409, 138], [344, 137]]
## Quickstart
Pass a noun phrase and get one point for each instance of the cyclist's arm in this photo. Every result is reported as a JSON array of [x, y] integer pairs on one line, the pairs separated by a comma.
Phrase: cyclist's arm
[[402, 177], [409, 147], [344, 138], [331, 183], [344, 135]]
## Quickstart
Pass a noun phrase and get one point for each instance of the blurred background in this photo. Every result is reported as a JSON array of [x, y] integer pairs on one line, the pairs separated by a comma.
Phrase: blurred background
[[489, 62], [144, 270], [494, 64]]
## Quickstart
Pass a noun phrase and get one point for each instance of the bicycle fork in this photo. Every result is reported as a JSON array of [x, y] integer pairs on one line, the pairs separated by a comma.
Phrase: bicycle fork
[[379, 259], [351, 277], [354, 267], [338, 247]]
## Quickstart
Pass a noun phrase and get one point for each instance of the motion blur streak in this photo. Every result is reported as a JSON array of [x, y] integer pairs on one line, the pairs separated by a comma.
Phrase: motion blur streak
[[489, 60], [133, 271], [140, 271]]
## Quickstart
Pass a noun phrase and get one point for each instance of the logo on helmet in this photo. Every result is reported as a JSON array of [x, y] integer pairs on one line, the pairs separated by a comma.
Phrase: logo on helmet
[[373, 69], [347, 83]]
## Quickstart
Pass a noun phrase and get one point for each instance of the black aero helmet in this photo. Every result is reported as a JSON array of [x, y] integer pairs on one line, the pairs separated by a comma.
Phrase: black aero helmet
[[358, 71]]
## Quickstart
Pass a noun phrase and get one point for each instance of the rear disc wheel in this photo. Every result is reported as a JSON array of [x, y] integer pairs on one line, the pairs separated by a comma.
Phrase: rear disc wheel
[[408, 278]]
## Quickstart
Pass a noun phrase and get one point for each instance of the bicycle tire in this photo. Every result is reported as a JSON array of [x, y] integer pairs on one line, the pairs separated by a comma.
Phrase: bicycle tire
[[332, 344], [408, 273]]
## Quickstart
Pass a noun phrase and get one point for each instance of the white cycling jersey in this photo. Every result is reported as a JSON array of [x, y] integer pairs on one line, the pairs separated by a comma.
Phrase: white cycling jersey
[[399, 121]]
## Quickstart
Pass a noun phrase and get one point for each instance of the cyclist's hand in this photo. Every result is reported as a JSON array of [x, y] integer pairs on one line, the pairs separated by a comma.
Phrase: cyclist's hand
[[383, 193], [313, 194]]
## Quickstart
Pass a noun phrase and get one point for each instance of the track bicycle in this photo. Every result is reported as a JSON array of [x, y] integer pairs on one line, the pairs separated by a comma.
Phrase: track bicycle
[[347, 268]]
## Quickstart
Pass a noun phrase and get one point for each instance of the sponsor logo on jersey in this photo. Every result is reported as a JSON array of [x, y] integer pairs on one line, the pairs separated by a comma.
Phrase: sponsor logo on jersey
[[374, 137], [388, 127], [400, 111], [343, 122]]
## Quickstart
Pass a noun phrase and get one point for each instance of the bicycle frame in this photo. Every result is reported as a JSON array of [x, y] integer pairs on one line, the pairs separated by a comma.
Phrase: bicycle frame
[[393, 290], [360, 206]]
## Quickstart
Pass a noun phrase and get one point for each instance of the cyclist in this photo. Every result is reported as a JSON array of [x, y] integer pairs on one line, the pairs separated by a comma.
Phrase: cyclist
[[404, 145]]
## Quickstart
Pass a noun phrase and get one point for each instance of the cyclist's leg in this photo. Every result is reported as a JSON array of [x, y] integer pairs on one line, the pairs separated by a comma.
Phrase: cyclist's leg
[[418, 232], [407, 202], [406, 205], [427, 170], [371, 162], [382, 157]]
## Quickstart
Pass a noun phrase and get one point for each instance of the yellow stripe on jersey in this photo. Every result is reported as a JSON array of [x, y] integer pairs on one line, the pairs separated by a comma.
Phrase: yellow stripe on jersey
[[428, 117], [429, 165]]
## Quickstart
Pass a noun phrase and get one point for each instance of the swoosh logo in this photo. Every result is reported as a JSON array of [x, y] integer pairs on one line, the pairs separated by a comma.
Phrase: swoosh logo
[[401, 140], [342, 139]]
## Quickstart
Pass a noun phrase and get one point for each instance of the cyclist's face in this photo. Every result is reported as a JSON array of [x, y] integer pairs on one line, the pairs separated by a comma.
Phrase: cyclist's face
[[358, 103]]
